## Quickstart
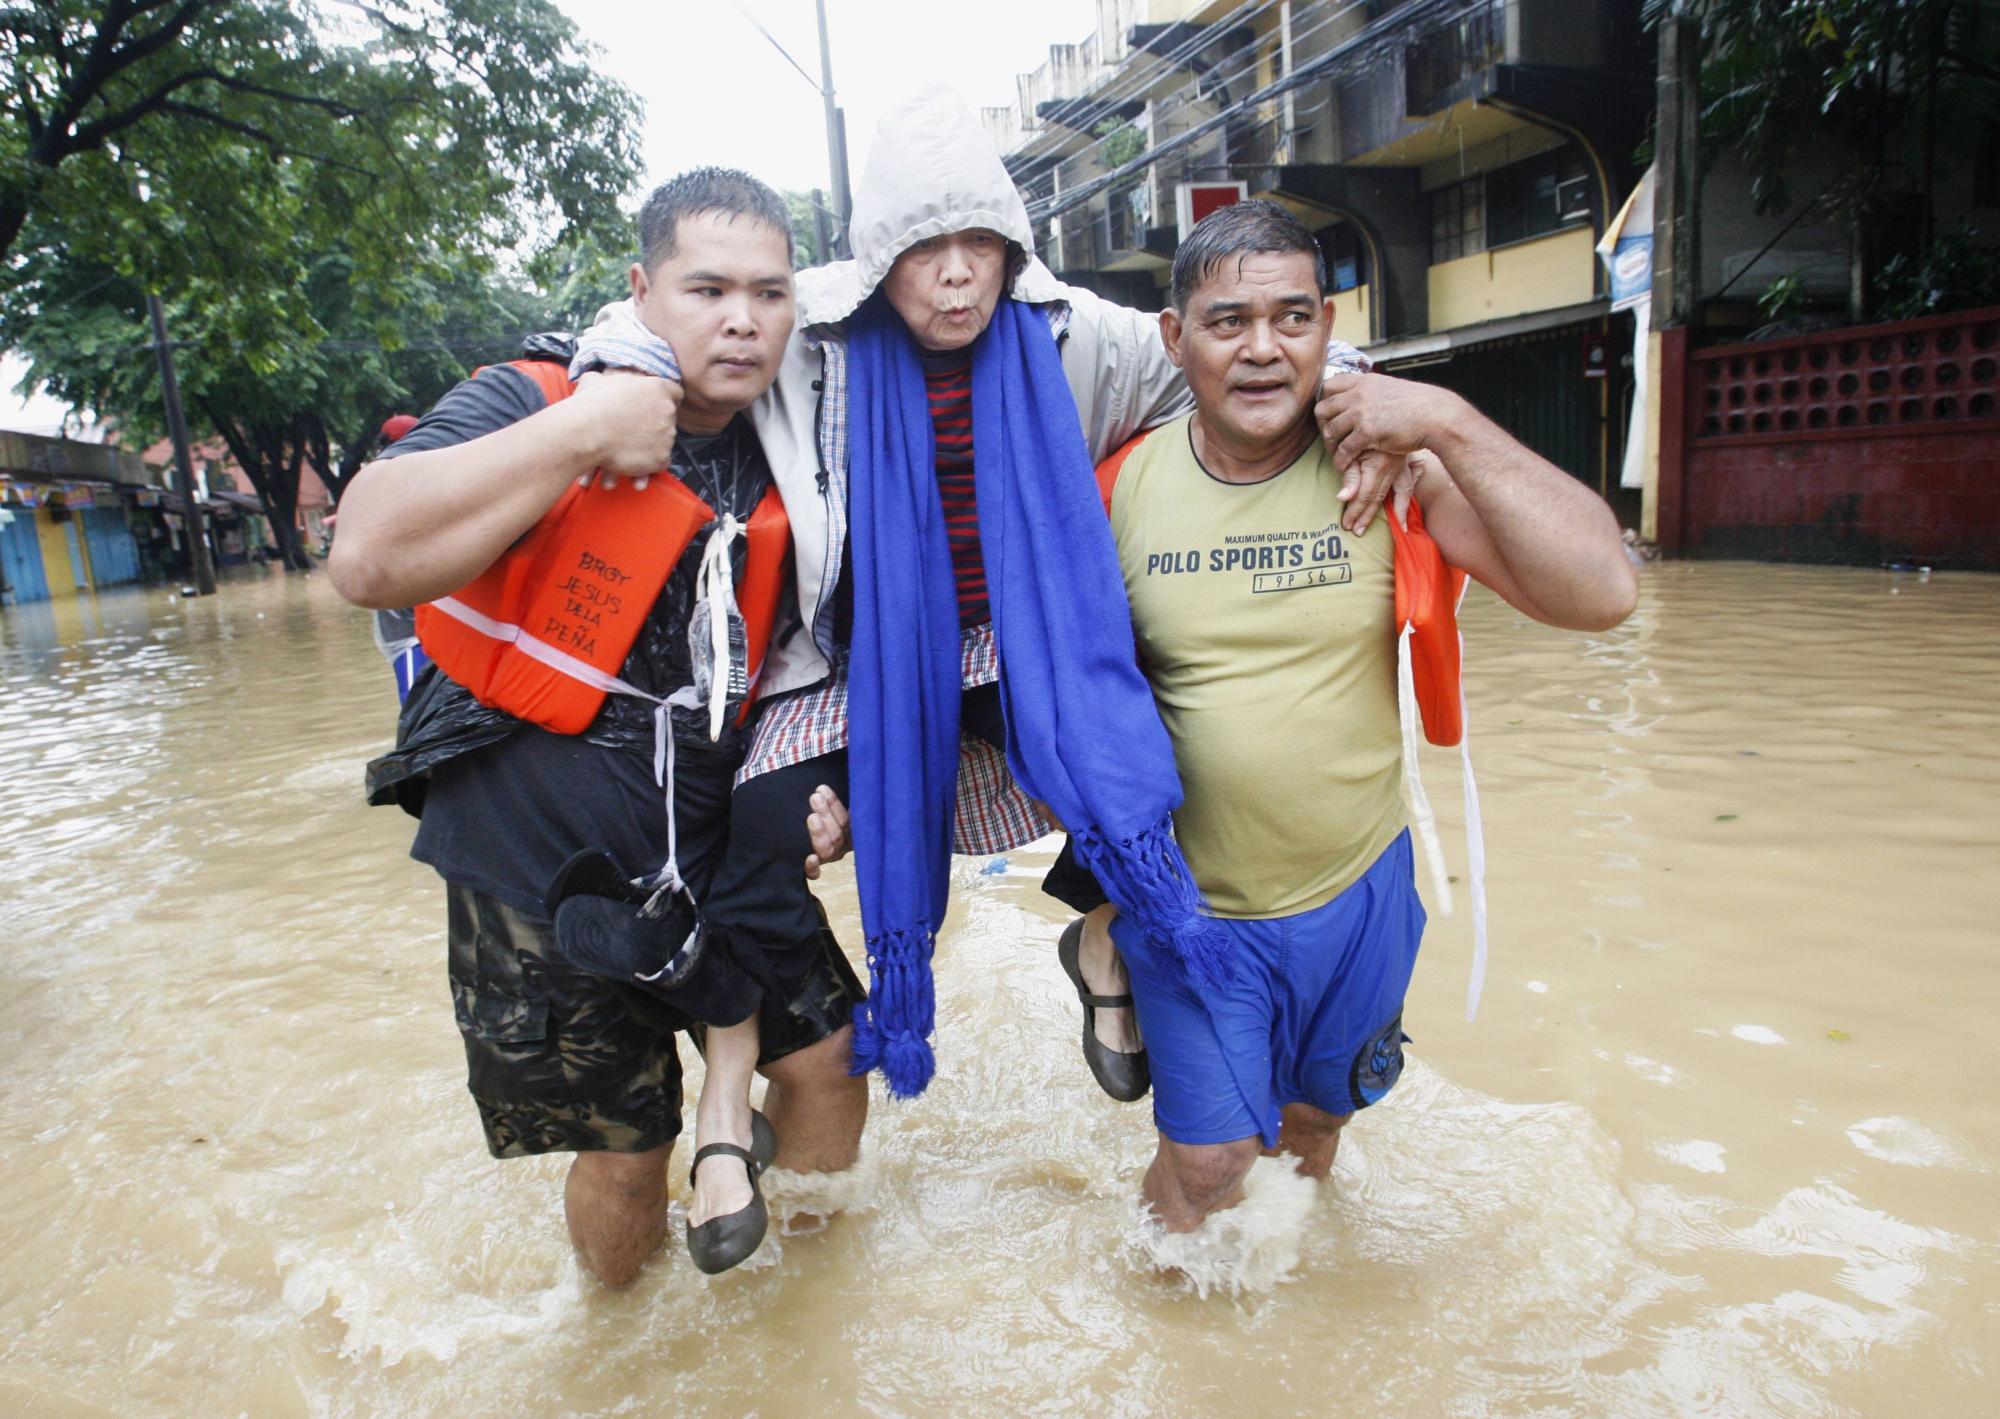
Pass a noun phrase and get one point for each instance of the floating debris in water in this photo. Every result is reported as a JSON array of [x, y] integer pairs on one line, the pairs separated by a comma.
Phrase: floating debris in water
[[994, 868]]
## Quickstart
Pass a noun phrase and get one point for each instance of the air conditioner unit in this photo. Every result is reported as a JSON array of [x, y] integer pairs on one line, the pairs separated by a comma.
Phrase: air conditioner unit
[[1195, 200], [1573, 200]]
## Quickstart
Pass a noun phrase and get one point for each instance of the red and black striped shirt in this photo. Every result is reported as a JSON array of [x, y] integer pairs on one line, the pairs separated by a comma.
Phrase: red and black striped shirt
[[950, 388]]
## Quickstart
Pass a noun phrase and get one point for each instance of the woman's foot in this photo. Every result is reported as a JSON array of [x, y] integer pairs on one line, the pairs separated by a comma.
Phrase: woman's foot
[[1123, 1074], [723, 1186], [722, 1240], [1104, 973]]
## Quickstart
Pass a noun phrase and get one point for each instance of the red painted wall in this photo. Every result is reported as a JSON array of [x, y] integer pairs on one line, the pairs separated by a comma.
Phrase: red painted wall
[[1866, 445]]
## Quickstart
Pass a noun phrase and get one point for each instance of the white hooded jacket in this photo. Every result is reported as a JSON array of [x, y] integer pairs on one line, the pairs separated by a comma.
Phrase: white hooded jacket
[[932, 171]]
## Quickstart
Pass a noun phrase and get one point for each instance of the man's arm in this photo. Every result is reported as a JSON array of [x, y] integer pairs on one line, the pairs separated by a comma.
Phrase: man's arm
[[420, 525], [1500, 511]]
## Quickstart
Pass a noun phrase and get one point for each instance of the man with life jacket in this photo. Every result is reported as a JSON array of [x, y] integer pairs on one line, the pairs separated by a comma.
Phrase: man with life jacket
[[1270, 635], [598, 566], [895, 411]]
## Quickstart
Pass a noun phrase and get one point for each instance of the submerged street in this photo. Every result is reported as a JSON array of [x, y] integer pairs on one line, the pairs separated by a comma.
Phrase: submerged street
[[1722, 1140]]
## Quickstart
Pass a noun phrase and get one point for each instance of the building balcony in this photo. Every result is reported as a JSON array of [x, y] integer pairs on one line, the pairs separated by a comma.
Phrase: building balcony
[[34, 457], [1544, 273]]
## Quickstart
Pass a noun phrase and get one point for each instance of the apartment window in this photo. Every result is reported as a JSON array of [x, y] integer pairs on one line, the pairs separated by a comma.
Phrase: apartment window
[[1986, 168], [1543, 194], [1458, 220], [1345, 264]]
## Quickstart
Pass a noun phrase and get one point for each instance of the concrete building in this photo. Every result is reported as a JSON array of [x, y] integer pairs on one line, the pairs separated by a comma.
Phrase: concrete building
[[1458, 159], [67, 512]]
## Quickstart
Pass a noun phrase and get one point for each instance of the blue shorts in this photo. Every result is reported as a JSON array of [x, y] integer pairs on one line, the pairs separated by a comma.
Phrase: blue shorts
[[1314, 1015]]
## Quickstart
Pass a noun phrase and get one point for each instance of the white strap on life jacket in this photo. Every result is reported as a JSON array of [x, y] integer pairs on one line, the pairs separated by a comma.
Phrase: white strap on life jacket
[[1425, 821], [1475, 845], [715, 583], [1421, 816], [717, 589]]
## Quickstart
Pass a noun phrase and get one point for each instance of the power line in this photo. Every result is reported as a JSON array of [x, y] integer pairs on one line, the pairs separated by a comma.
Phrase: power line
[[1301, 75], [1218, 80], [758, 26], [1141, 73], [1039, 192]]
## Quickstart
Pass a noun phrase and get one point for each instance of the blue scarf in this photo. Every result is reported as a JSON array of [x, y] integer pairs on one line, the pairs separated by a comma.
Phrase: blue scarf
[[1083, 734]]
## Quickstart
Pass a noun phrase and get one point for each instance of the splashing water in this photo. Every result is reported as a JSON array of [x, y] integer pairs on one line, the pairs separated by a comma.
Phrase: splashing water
[[243, 1175]]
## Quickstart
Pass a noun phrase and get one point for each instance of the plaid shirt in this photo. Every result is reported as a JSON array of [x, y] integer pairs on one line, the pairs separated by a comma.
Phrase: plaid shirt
[[993, 814]]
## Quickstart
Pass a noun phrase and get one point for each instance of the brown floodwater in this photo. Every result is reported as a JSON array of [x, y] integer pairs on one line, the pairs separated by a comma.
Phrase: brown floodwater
[[1722, 1141]]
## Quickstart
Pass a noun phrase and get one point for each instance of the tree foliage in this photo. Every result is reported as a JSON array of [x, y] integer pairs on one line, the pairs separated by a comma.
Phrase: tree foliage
[[321, 193], [806, 214], [1886, 80], [578, 278], [172, 140], [378, 350]]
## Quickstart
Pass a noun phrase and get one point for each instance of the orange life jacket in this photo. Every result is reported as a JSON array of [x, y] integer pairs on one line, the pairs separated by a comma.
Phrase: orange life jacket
[[1427, 592], [544, 631]]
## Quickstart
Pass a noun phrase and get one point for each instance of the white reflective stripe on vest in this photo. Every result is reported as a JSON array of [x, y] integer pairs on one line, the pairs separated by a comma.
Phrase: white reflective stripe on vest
[[560, 661]]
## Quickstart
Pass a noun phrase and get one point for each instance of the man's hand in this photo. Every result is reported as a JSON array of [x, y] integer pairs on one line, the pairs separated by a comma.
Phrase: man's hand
[[827, 827], [633, 417], [1371, 423]]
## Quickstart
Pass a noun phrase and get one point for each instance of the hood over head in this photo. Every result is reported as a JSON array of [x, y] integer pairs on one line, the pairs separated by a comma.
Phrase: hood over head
[[932, 171]]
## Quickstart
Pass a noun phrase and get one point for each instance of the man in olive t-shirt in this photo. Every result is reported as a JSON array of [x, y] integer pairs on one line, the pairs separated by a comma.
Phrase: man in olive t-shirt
[[1266, 628]]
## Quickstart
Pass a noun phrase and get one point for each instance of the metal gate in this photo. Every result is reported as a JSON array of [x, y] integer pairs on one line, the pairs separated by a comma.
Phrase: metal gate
[[114, 557], [21, 557], [1535, 389]]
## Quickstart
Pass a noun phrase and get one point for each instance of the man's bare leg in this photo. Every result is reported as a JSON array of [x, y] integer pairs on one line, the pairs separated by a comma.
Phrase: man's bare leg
[[1312, 1136], [816, 1106], [616, 1204], [1104, 972], [722, 1186], [1188, 1181]]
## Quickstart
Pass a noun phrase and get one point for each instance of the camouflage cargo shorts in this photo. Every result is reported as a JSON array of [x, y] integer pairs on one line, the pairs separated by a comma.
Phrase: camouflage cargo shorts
[[561, 1061]]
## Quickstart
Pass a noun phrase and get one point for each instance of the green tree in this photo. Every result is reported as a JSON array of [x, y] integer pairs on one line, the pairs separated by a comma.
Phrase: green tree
[[806, 214], [178, 139], [379, 351], [321, 194], [1118, 142], [578, 278], [1888, 82]]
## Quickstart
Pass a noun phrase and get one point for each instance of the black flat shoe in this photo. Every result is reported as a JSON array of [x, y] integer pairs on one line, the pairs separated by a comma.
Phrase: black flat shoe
[[626, 931], [1125, 1077], [592, 872], [724, 1242]]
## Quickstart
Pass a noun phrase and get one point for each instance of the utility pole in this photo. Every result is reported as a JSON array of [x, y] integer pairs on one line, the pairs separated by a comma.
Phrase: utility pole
[[1677, 177], [836, 139], [197, 534], [823, 248], [1676, 259]]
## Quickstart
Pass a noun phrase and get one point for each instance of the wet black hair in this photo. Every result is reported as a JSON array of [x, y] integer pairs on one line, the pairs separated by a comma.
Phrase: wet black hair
[[1238, 230], [700, 190]]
